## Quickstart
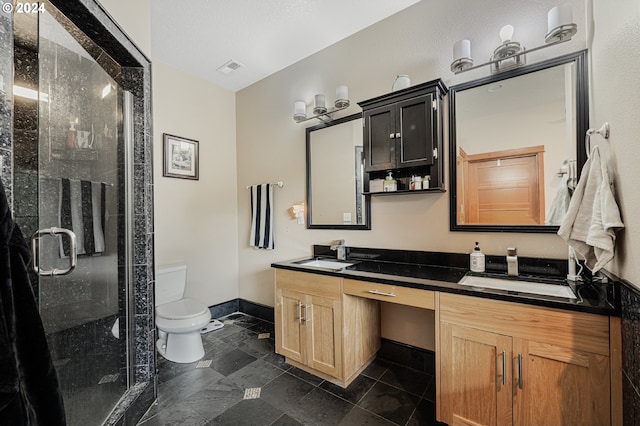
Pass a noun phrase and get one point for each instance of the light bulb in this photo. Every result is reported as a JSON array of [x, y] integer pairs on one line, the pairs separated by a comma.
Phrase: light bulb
[[506, 33]]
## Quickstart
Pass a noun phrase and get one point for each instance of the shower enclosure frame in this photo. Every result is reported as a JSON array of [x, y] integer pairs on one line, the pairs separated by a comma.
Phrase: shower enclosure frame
[[96, 23]]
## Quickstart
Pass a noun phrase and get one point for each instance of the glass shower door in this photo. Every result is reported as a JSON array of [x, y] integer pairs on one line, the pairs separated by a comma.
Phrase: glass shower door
[[80, 250]]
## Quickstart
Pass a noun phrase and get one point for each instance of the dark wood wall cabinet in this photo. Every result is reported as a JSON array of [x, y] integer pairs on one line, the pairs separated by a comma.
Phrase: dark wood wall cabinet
[[403, 134]]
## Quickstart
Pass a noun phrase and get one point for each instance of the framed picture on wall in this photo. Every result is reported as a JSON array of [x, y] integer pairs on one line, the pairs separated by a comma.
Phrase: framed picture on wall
[[180, 157]]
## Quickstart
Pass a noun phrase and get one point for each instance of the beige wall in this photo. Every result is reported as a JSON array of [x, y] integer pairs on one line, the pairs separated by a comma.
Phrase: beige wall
[[418, 42], [615, 87], [196, 221], [134, 17]]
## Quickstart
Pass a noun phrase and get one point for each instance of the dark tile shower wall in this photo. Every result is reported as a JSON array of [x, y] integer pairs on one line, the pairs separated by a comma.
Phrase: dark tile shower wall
[[89, 16], [630, 322], [6, 98]]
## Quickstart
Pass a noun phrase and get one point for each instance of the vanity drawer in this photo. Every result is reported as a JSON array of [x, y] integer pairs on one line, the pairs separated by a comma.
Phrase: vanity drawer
[[315, 284], [390, 293]]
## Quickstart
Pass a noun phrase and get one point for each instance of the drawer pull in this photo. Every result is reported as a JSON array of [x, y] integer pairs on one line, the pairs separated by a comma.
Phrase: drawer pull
[[382, 293]]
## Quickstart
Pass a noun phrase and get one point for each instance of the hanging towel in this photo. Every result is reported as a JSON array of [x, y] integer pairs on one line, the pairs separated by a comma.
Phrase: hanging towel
[[560, 203], [261, 236], [82, 210], [593, 217]]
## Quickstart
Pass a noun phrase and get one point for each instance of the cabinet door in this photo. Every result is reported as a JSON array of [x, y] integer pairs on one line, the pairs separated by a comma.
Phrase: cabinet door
[[288, 324], [417, 132], [379, 138], [322, 330], [560, 386], [475, 370]]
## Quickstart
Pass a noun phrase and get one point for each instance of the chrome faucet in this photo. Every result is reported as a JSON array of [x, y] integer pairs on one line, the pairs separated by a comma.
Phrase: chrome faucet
[[512, 261], [339, 247]]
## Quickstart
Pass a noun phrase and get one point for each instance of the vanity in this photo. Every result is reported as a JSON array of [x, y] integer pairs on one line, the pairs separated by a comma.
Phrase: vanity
[[502, 356], [527, 350]]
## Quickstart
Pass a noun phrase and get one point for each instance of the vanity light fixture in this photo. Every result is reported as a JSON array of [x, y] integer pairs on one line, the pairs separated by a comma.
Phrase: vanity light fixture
[[320, 110], [511, 54]]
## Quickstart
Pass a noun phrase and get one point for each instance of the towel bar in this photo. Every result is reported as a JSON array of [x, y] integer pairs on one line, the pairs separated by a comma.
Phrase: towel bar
[[279, 184]]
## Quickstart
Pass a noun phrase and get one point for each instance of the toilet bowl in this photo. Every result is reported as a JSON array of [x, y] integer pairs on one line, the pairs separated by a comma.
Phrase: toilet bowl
[[178, 319]]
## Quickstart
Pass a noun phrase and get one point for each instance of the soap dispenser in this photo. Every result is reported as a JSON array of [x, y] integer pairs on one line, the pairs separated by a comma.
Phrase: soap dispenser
[[390, 184], [477, 259]]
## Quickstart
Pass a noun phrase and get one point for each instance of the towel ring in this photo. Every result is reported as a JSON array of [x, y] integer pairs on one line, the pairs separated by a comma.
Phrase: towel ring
[[603, 131]]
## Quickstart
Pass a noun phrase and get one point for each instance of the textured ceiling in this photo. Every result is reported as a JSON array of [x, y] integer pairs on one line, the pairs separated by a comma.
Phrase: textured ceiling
[[265, 36]]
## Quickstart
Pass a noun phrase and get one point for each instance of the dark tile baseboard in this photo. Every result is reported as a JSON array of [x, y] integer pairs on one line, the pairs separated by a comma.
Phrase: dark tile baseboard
[[257, 310], [225, 308], [410, 356], [264, 312]]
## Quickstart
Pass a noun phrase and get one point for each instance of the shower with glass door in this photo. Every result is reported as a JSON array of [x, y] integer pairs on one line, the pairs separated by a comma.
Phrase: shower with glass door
[[80, 184]]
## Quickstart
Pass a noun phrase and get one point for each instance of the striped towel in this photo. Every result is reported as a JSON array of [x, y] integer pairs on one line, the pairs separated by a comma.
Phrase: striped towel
[[261, 236], [82, 210]]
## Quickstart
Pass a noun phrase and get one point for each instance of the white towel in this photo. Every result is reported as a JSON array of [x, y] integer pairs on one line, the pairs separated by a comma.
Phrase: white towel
[[560, 203], [261, 236], [593, 217]]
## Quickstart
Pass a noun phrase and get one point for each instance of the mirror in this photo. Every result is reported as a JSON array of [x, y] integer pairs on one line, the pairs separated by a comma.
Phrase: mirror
[[517, 146], [335, 176]]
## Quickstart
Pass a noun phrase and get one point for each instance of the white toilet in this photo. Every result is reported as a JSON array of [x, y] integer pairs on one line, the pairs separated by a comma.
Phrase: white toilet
[[178, 320]]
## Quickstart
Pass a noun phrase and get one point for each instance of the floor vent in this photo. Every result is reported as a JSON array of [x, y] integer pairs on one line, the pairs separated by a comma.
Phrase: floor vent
[[252, 393], [205, 363], [264, 335]]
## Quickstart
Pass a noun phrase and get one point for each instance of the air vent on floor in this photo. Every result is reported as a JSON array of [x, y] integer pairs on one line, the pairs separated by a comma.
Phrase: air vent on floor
[[229, 66]]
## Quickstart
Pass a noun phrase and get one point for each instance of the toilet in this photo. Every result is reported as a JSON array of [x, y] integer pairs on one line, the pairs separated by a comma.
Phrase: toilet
[[179, 320]]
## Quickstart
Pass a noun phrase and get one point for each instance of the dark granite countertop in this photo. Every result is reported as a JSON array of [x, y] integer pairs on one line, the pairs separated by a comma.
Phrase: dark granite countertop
[[443, 271]]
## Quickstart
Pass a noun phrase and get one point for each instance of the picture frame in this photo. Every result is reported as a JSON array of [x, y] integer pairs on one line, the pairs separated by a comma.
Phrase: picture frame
[[180, 157]]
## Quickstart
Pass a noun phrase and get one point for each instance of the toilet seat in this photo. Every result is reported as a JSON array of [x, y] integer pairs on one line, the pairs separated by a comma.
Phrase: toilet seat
[[181, 309]]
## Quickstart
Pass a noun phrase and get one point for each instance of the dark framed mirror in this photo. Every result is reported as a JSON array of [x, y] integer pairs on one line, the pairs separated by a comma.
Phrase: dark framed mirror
[[335, 176], [517, 145]]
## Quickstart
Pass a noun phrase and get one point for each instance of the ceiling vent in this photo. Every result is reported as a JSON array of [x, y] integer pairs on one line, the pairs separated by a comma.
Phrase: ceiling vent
[[229, 66]]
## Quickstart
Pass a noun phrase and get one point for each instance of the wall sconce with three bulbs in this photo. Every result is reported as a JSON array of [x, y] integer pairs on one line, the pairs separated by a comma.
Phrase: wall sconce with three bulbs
[[320, 110], [511, 54]]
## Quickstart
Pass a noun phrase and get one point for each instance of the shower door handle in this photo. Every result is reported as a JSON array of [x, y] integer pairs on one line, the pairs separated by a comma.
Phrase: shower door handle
[[53, 231]]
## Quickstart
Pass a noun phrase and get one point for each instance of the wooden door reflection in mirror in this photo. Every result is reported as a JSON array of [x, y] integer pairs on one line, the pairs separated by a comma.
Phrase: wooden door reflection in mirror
[[511, 136]]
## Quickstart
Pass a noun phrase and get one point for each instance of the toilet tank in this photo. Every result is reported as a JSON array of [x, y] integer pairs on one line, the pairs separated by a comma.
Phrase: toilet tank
[[170, 283]]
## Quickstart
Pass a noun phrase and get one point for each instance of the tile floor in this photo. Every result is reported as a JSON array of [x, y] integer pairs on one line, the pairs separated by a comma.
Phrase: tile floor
[[246, 383]]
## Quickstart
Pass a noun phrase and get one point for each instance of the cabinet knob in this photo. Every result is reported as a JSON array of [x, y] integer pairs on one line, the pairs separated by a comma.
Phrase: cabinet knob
[[392, 135], [397, 135]]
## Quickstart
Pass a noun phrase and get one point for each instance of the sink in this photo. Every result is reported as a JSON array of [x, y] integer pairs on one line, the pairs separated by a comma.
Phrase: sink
[[325, 263], [555, 290]]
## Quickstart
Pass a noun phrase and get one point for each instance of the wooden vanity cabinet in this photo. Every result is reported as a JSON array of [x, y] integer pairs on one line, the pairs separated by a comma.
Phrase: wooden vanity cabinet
[[322, 331], [503, 363], [403, 130]]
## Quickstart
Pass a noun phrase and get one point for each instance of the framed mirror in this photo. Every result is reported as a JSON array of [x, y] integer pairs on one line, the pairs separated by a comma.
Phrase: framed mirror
[[335, 176], [517, 146]]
